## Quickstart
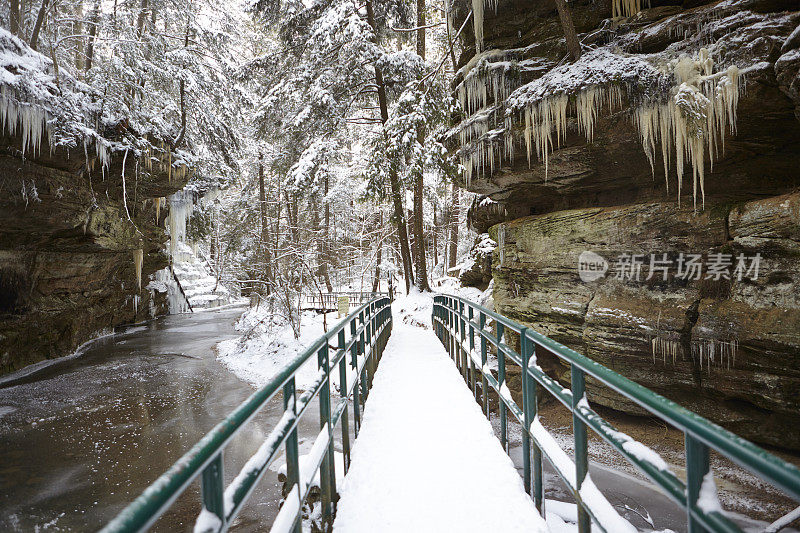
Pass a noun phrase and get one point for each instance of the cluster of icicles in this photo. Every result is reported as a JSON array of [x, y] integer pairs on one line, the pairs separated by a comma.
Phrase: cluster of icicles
[[30, 121], [163, 162], [708, 353], [689, 123], [27, 119], [694, 118], [474, 91]]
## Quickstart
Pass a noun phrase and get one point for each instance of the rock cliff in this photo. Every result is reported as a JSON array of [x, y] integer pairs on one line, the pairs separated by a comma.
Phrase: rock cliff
[[587, 161], [81, 224]]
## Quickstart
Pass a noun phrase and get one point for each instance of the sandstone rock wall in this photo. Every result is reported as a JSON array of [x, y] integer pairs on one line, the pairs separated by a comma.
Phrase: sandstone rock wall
[[67, 269], [658, 332], [728, 349]]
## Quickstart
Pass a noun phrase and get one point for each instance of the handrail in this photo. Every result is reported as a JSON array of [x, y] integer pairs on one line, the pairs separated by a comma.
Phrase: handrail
[[330, 299], [454, 319], [369, 327]]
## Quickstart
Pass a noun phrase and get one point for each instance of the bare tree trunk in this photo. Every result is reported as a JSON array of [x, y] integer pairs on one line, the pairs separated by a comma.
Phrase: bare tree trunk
[[277, 238], [454, 207], [418, 226], [449, 39], [262, 197], [37, 27], [92, 34], [14, 16], [318, 240], [450, 254], [394, 179], [323, 266], [564, 14], [142, 18], [77, 29], [182, 91], [291, 216], [435, 238], [376, 281]]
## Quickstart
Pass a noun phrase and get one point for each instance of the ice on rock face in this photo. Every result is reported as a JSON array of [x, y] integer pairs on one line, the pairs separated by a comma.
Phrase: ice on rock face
[[181, 205], [159, 202], [166, 282], [625, 8], [683, 105], [138, 260]]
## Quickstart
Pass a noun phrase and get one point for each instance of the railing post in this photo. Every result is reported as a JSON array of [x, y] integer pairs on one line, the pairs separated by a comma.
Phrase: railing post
[[697, 466], [354, 364], [525, 353], [449, 322], [371, 340], [484, 383], [473, 380], [328, 467], [461, 351], [292, 453], [213, 487], [361, 350], [532, 410], [435, 313], [581, 453], [343, 395], [368, 345], [501, 380]]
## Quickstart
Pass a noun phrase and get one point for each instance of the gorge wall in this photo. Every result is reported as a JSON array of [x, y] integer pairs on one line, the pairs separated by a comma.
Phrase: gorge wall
[[67, 252], [80, 202], [725, 345]]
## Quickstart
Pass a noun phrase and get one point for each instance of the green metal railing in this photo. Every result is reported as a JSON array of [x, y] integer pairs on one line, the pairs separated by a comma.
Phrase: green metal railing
[[369, 328], [330, 300], [457, 321]]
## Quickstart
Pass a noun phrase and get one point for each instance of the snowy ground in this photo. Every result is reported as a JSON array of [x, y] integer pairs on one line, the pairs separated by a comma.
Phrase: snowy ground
[[426, 459], [267, 344]]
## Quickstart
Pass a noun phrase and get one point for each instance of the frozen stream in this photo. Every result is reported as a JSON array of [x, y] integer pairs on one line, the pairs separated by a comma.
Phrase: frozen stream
[[82, 438]]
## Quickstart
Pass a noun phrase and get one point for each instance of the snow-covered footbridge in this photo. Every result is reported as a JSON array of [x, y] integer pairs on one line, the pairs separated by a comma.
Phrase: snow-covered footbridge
[[405, 446]]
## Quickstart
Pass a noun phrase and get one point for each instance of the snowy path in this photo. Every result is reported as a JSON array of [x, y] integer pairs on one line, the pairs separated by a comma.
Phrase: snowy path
[[426, 458]]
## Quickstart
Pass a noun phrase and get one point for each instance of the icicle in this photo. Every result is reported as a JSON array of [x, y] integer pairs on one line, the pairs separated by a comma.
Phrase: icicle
[[477, 19], [501, 243], [625, 8], [29, 119], [102, 152], [138, 260], [159, 203]]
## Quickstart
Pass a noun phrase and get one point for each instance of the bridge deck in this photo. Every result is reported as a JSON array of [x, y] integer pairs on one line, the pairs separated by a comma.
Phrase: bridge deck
[[426, 458]]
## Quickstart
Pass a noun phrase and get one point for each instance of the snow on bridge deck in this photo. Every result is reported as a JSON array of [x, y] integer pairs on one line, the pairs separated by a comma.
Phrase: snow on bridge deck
[[426, 458]]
